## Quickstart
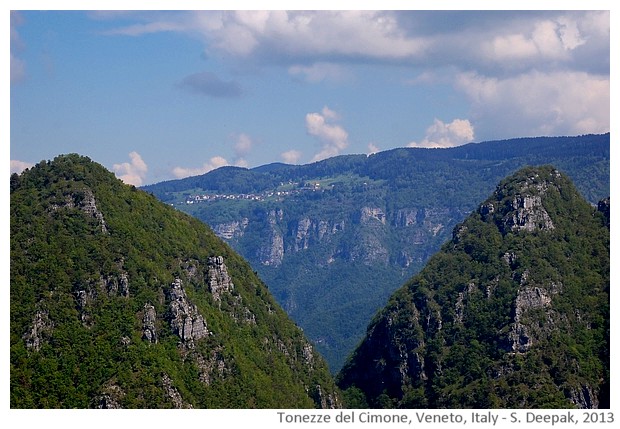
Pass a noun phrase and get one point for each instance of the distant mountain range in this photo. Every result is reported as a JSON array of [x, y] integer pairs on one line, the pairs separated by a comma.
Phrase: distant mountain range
[[334, 239], [512, 312], [120, 301]]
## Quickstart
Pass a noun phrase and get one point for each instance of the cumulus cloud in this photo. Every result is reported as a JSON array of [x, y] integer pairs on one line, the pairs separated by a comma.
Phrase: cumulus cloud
[[132, 172], [535, 103], [291, 156], [19, 166], [501, 58], [207, 83], [296, 35], [312, 43], [333, 137], [442, 135], [212, 164]]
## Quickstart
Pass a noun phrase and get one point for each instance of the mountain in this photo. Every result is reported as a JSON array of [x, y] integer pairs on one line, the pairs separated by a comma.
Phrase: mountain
[[513, 312], [334, 239], [120, 301]]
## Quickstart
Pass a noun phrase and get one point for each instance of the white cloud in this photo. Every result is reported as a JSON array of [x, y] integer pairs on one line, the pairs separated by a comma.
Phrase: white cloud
[[313, 44], [19, 166], [333, 137], [212, 164], [291, 34], [372, 148], [442, 135], [132, 172], [549, 42], [535, 103], [291, 156]]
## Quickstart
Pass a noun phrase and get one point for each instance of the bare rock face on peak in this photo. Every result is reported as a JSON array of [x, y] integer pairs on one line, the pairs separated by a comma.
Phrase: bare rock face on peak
[[335, 238], [120, 301], [513, 312]]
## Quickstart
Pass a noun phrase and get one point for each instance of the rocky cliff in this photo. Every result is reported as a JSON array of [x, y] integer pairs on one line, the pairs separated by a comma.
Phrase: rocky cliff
[[335, 238], [118, 301], [513, 312]]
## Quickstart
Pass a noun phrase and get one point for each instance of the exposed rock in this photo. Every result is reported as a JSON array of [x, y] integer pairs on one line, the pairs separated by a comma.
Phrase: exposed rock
[[369, 214], [529, 298], [110, 398], [218, 279], [460, 300], [190, 268], [302, 236], [85, 201], [149, 331], [214, 366], [185, 319], [529, 215], [230, 230], [583, 397], [308, 355], [84, 299], [329, 401], [115, 285], [89, 206], [173, 393], [40, 329], [406, 217], [272, 253]]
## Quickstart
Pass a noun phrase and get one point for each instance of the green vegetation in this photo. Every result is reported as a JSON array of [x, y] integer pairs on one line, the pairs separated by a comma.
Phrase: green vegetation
[[332, 267], [89, 255], [513, 312]]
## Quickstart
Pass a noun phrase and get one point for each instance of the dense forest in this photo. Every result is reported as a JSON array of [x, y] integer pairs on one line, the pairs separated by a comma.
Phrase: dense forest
[[513, 312], [333, 239], [119, 301]]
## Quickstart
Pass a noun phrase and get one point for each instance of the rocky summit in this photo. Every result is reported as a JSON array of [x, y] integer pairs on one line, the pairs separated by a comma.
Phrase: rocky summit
[[119, 301], [513, 312], [334, 239]]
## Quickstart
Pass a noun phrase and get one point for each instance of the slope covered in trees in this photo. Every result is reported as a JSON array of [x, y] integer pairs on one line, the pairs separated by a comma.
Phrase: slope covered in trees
[[119, 301], [335, 238], [513, 312]]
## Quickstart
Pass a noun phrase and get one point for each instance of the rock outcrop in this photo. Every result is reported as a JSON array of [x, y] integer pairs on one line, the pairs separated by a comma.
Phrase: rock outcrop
[[495, 318], [185, 319], [218, 279], [121, 301], [149, 319], [40, 329]]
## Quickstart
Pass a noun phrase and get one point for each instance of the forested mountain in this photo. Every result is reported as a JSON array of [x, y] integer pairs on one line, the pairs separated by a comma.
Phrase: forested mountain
[[334, 239], [513, 312], [120, 301]]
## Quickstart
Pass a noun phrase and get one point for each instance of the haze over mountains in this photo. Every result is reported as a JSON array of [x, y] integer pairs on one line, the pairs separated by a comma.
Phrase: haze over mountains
[[334, 239], [121, 301]]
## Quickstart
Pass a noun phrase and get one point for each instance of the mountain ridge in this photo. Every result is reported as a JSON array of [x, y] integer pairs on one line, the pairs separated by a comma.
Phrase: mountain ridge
[[513, 312], [334, 238], [120, 301]]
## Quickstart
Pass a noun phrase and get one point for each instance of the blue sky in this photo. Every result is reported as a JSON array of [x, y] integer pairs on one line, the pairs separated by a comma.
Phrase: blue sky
[[159, 95]]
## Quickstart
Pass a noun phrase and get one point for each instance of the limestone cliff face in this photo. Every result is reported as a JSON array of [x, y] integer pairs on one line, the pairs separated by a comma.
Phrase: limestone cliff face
[[494, 318], [121, 301], [290, 243]]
